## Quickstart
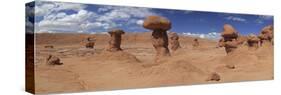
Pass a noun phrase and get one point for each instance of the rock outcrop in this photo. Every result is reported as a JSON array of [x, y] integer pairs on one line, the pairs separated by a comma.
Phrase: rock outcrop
[[115, 40], [159, 26]]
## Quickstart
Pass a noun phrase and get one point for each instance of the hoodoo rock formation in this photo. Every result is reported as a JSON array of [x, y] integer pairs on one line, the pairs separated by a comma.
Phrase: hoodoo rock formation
[[159, 26], [115, 40], [90, 42], [253, 42], [266, 35], [174, 41], [229, 40]]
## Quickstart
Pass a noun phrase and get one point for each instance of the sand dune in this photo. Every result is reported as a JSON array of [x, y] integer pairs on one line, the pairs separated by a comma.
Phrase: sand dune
[[95, 69]]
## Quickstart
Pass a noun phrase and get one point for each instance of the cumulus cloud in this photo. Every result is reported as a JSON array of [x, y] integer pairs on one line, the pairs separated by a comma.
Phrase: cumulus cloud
[[61, 22], [57, 19], [139, 22], [29, 26], [128, 15], [211, 35], [45, 8], [234, 18]]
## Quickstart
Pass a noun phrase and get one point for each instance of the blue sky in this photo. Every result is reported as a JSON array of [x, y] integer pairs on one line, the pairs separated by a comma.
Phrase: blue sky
[[56, 17]]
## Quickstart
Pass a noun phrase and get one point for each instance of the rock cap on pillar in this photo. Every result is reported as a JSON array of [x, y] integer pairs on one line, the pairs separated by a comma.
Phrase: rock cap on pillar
[[267, 29], [229, 31], [266, 32], [253, 38], [157, 22], [117, 31]]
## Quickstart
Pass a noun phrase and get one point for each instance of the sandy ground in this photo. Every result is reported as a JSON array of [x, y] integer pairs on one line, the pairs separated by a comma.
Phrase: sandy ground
[[93, 69]]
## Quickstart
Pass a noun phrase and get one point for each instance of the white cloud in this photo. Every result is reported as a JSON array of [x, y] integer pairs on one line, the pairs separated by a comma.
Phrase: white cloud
[[262, 18], [104, 9], [61, 22], [233, 18], [45, 8], [126, 14], [29, 26], [139, 22], [56, 19], [211, 35]]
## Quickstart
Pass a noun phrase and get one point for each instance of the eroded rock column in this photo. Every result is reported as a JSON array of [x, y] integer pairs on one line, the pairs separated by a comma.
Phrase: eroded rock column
[[174, 41], [229, 40], [266, 35], [253, 42], [115, 40], [159, 26]]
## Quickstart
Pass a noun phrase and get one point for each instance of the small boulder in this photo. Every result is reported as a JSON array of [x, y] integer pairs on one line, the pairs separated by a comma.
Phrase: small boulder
[[214, 77], [49, 46], [53, 60]]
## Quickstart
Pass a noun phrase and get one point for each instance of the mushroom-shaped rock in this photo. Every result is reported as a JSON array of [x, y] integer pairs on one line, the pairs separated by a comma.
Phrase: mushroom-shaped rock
[[115, 40], [266, 34], [268, 30], [174, 41], [157, 23], [53, 60], [229, 32], [159, 26], [230, 36], [253, 41], [230, 46]]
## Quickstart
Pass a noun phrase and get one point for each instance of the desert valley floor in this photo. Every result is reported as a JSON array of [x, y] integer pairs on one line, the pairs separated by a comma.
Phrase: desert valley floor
[[93, 69]]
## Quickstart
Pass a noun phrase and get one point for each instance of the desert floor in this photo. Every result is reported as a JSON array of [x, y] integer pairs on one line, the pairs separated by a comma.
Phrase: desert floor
[[93, 69]]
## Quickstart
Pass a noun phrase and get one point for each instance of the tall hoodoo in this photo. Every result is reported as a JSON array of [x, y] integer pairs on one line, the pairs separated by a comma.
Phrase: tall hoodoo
[[115, 40], [230, 36], [266, 34], [159, 26]]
